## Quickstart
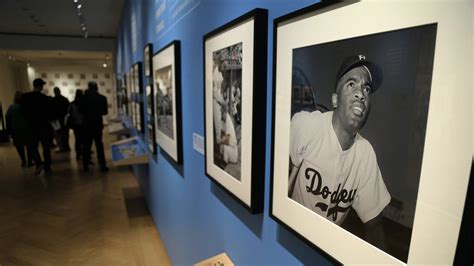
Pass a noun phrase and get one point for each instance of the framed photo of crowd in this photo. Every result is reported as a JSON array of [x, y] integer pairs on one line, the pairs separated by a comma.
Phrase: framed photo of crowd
[[359, 165], [234, 106], [167, 100]]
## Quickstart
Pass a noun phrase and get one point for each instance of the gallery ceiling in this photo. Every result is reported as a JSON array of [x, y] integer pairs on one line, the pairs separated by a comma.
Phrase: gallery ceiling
[[60, 17], [50, 22]]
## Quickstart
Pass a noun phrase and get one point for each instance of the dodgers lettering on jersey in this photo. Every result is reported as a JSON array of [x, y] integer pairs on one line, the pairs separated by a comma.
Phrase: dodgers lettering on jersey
[[329, 199], [330, 181]]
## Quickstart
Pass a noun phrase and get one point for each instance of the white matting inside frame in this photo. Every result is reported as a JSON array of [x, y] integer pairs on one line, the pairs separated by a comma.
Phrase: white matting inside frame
[[447, 151], [242, 32]]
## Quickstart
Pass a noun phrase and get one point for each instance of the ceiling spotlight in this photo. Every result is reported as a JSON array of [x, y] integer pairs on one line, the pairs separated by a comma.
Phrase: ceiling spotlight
[[79, 6], [75, 1], [83, 27], [104, 65]]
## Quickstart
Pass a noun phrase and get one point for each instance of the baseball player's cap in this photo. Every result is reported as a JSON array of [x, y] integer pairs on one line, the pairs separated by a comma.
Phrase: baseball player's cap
[[375, 72], [38, 82]]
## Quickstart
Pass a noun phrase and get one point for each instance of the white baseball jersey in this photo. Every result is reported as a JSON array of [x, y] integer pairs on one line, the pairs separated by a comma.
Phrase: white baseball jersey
[[331, 180]]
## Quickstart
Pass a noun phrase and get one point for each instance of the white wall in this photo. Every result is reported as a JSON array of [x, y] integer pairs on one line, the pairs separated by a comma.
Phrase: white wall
[[69, 78], [13, 77]]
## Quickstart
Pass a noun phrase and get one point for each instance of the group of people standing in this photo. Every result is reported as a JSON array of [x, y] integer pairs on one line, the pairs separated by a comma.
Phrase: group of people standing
[[36, 118]]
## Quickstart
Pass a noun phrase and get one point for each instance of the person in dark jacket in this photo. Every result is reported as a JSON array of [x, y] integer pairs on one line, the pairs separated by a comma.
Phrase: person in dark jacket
[[76, 123], [93, 106], [17, 128], [61, 105], [37, 110]]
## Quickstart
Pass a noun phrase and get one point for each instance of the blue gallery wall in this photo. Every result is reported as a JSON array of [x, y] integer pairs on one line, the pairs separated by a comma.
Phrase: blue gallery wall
[[197, 219]]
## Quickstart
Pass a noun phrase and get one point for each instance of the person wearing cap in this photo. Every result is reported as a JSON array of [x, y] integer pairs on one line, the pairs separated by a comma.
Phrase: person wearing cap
[[38, 112], [332, 167]]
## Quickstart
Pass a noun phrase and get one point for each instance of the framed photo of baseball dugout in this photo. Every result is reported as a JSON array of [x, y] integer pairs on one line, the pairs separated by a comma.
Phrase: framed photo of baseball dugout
[[234, 104], [371, 129], [167, 96]]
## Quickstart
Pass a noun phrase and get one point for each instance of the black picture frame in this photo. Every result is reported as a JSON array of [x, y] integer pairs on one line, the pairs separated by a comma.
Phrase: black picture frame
[[426, 242], [243, 180], [166, 76]]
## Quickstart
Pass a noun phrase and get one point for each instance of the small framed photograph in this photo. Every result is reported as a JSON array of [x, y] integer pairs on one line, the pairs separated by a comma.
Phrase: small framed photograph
[[149, 99], [137, 79], [138, 90], [151, 138], [167, 96], [125, 94], [234, 109], [133, 114], [359, 162], [147, 59], [130, 93], [139, 119]]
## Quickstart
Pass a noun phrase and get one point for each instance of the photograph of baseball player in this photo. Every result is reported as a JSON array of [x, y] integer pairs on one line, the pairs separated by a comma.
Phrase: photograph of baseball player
[[164, 100], [358, 120], [226, 108], [234, 106]]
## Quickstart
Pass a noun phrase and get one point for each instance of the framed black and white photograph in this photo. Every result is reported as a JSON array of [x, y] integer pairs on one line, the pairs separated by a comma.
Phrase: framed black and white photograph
[[149, 99], [133, 114], [235, 97], [129, 80], [139, 117], [138, 90], [167, 100], [147, 59], [133, 82], [151, 138], [359, 167], [138, 85]]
